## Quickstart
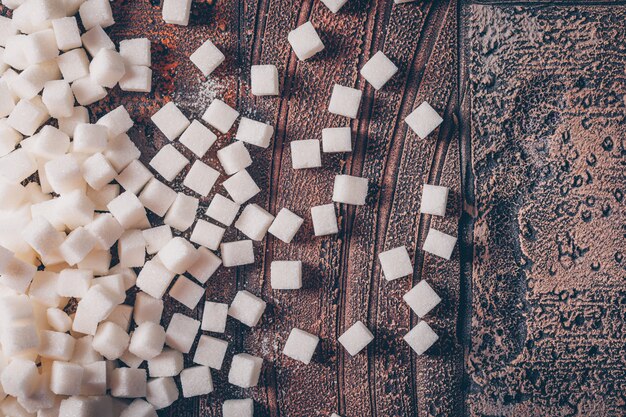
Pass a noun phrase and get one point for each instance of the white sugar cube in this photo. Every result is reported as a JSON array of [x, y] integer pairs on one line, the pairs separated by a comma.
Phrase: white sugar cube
[[77, 209], [285, 225], [205, 266], [422, 298], [301, 345], [94, 381], [42, 236], [67, 125], [74, 65], [147, 340], [7, 28], [59, 320], [74, 282], [170, 120], [434, 200], [168, 162], [324, 220], [41, 46], [245, 370], [395, 263], [421, 337], [66, 33], [220, 115], [87, 91], [20, 338], [77, 245], [254, 132], [181, 332], [162, 392], [201, 178], [306, 154], [111, 341], [14, 52], [134, 177], [334, 5], [107, 68], [214, 317], [139, 408], [234, 158], [305, 41], [58, 97], [121, 151], [96, 13], [157, 197], [156, 238], [222, 209], [9, 137], [17, 166], [84, 353], [439, 244], [198, 138], [128, 383], [378, 70], [30, 82], [131, 249], [286, 275], [237, 253], [423, 120], [210, 352], [241, 187], [207, 234], [7, 101], [356, 338], [19, 377], [196, 381], [117, 121], [64, 174], [254, 222], [26, 117], [106, 230], [264, 80], [56, 345], [97, 260], [154, 279], [345, 101], [136, 51], [147, 309], [96, 39], [121, 315], [94, 307], [137, 78], [90, 138], [127, 209], [176, 12], [238, 408], [350, 190], [337, 139], [247, 308], [97, 171], [186, 292], [177, 255], [182, 213], [168, 363], [12, 195], [66, 378], [207, 57]]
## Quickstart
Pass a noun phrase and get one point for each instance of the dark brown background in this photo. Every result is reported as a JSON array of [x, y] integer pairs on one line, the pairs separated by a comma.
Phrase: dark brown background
[[532, 148]]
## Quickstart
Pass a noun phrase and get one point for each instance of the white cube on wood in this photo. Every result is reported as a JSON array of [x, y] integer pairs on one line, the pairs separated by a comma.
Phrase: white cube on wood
[[186, 292], [87, 91], [286, 275], [96, 13], [241, 187], [350, 190], [147, 340], [127, 210], [264, 80], [285, 225], [107, 68], [345, 101], [157, 197], [74, 65], [66, 378], [238, 408], [117, 121], [129, 383], [137, 78], [176, 12], [214, 317], [254, 222], [178, 255], [356, 338], [222, 209], [121, 151], [111, 341], [434, 200], [170, 120], [196, 381], [324, 220], [136, 51], [168, 162], [169, 363], [181, 332], [162, 392], [201, 178], [247, 308], [106, 230], [154, 279], [439, 243], [90, 138], [301, 345], [395, 263], [421, 337], [234, 157], [254, 132], [422, 298], [97, 171], [207, 58], [207, 234], [134, 177], [96, 39], [198, 138], [423, 120], [237, 253], [220, 115], [210, 352], [305, 41], [156, 238], [305, 154], [245, 370], [337, 139], [182, 213], [378, 70], [147, 309]]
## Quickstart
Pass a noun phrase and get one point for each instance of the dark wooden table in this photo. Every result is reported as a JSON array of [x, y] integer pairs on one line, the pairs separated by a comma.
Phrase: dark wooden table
[[532, 147]]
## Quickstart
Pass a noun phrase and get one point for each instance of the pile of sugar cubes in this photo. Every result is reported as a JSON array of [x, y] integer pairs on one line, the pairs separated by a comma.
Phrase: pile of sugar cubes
[[74, 196]]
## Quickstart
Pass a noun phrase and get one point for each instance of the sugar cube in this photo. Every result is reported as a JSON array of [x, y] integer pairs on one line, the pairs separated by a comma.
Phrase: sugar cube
[[334, 5], [74, 65], [128, 383], [42, 236], [84, 353], [285, 225], [205, 266], [56, 345], [395, 263], [324, 220], [136, 51], [74, 282], [181, 332], [207, 58], [17, 166], [134, 177], [96, 13], [156, 238], [350, 190], [237, 253], [186, 292], [434, 200], [58, 97], [301, 345], [77, 245], [14, 52], [201, 178], [182, 212], [117, 121], [198, 138], [378, 70], [170, 120], [64, 174], [439, 243], [137, 78], [337, 139], [127, 210], [90, 138], [94, 381], [139, 408], [41, 46], [66, 33], [247, 308], [241, 187], [286, 275], [245, 370], [147, 340], [9, 137], [210, 352], [162, 392], [110, 340], [7, 28], [306, 154], [67, 125], [168, 363], [356, 338], [421, 337], [107, 68], [96, 39], [97, 171], [131, 249], [196, 381], [345, 101], [26, 117], [177, 255], [207, 234], [87, 91], [214, 317], [238, 408], [234, 157], [422, 298], [254, 132], [19, 377], [220, 115], [305, 41], [66, 378], [423, 120], [94, 307], [157, 197], [59, 320], [121, 315], [264, 80], [121, 151], [176, 12], [254, 222], [168, 162], [106, 230], [154, 279], [30, 82], [19, 338], [147, 309], [222, 209]]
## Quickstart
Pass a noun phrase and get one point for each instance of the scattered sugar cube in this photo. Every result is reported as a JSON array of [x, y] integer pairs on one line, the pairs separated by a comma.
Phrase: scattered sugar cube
[[264, 80], [154, 279], [422, 298], [337, 139], [106, 230], [395, 263], [161, 392], [196, 381], [77, 245], [63, 174], [111, 341], [65, 378], [439, 243], [74, 282], [234, 157], [356, 338], [128, 383], [181, 332], [205, 266], [210, 352], [254, 132], [245, 370], [58, 97], [94, 307], [131, 249], [177, 255], [285, 225], [26, 117], [306, 154], [237, 253], [186, 292], [67, 125], [334, 5], [84, 354], [121, 151], [147, 309], [305, 41], [96, 13], [168, 363], [41, 46], [182, 213], [434, 200], [87, 91], [222, 209], [137, 78], [121, 315], [220, 115], [254, 222], [42, 236], [66, 33], [19, 338], [168, 162], [176, 12], [90, 138], [9, 137], [17, 166], [139, 408], [94, 382], [96, 39], [301, 345], [127, 209], [7, 28], [214, 317], [207, 234], [147, 340], [156, 238], [378, 70], [350, 190], [238, 408], [198, 138], [97, 171], [58, 320], [345, 101], [201, 178], [286, 275], [136, 51], [74, 65], [241, 187], [117, 121], [207, 57], [421, 337], [247, 308], [134, 177], [170, 120], [157, 197], [19, 377], [107, 68], [324, 220], [423, 120]]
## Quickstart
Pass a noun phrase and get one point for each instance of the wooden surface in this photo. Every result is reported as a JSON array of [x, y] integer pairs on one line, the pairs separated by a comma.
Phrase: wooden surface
[[532, 148]]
